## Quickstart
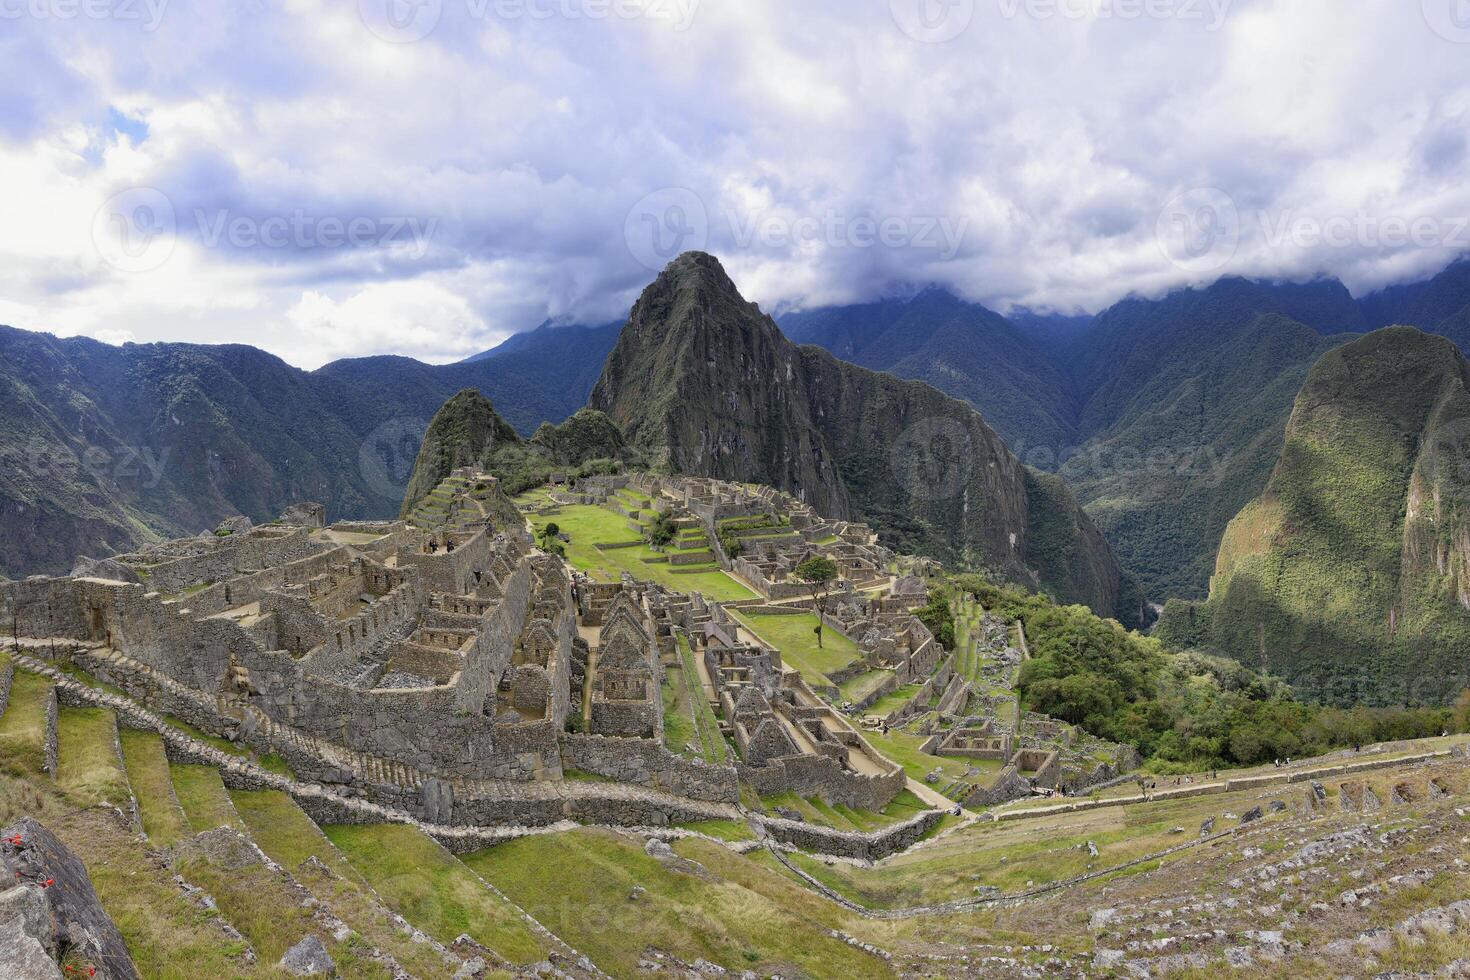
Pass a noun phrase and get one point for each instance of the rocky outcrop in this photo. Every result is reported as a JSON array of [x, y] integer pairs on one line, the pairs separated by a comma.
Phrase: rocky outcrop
[[50, 904], [704, 383], [464, 431]]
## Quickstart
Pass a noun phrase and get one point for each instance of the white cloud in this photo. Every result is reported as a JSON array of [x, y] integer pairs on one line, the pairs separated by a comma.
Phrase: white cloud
[[1053, 141]]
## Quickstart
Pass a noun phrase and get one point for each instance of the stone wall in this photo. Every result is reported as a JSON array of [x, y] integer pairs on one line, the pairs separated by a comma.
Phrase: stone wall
[[859, 847], [7, 675], [820, 775], [646, 763]]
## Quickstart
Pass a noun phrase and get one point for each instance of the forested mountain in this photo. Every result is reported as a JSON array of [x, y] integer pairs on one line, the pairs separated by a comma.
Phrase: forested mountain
[[108, 447], [1350, 574], [1164, 416], [704, 383]]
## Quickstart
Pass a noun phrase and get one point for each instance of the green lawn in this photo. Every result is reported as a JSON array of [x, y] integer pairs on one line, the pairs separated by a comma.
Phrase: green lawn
[[291, 839], [163, 818], [23, 726], [430, 888], [87, 765], [589, 526], [202, 795], [903, 749], [793, 636], [727, 910]]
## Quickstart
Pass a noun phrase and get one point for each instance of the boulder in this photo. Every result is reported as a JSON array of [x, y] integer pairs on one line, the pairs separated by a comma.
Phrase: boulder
[[305, 514], [1251, 815], [33, 858], [1207, 827], [656, 848], [23, 958], [308, 958]]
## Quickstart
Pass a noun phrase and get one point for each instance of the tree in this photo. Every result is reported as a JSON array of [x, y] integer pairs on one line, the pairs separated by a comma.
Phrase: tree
[[660, 530], [818, 572], [550, 538]]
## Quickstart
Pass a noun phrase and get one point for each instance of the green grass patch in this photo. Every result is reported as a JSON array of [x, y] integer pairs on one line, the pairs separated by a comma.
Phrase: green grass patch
[[733, 912], [794, 637], [88, 769], [731, 830], [23, 726], [148, 772], [429, 887], [590, 526], [202, 795]]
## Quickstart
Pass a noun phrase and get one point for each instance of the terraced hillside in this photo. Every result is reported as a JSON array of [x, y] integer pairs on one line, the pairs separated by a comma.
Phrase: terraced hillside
[[1334, 866]]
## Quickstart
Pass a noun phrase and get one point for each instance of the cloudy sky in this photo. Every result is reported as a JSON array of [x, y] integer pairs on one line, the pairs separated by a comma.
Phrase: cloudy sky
[[331, 178]]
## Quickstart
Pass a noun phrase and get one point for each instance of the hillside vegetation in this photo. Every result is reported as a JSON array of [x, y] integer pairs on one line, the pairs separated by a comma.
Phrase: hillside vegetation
[[1348, 574]]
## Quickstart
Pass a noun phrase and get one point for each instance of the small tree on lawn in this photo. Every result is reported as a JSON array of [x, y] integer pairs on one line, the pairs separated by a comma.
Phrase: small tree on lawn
[[551, 539], [660, 531], [818, 572]]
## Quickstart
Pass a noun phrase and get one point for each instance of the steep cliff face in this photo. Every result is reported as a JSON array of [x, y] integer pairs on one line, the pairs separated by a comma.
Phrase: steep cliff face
[[706, 384], [1350, 574]]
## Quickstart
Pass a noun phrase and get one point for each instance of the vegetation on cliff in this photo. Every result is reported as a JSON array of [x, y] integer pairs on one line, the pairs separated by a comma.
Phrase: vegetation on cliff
[[706, 384], [1350, 574], [467, 431], [1183, 711]]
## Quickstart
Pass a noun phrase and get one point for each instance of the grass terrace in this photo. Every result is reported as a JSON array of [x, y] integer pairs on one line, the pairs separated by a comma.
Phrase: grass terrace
[[426, 885], [291, 839], [202, 795], [710, 904], [1016, 856], [87, 765], [903, 748], [148, 772], [588, 527], [794, 637], [690, 726], [23, 725]]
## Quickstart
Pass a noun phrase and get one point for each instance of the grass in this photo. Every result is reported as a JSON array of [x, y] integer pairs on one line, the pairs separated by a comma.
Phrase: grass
[[793, 636], [730, 830], [903, 748], [148, 772], [202, 795], [87, 765], [726, 909], [1027, 853], [167, 937], [23, 726], [291, 839], [589, 526], [426, 885]]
